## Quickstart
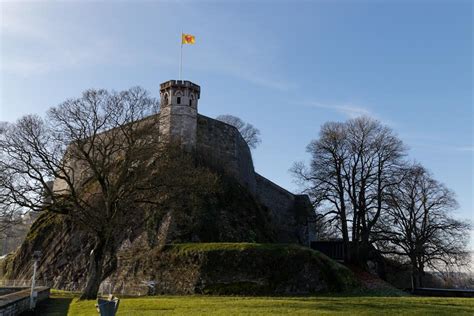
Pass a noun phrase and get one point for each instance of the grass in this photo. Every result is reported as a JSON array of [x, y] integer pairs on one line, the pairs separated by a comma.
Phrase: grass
[[219, 246], [68, 304], [277, 249], [279, 264]]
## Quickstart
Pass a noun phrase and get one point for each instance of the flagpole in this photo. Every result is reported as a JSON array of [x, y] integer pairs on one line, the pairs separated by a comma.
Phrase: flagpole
[[181, 58]]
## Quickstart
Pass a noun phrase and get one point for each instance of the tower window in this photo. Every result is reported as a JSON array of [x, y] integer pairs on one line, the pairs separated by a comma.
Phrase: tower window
[[178, 100], [190, 102]]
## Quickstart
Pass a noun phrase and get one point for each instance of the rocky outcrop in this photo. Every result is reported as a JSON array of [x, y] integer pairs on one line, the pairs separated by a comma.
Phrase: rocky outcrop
[[230, 215], [64, 253], [186, 268], [229, 268]]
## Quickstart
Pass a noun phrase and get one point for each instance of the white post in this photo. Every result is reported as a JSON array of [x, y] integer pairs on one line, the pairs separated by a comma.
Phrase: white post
[[33, 294], [33, 280]]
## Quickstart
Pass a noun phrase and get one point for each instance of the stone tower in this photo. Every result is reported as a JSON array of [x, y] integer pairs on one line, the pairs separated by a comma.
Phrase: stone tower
[[178, 112]]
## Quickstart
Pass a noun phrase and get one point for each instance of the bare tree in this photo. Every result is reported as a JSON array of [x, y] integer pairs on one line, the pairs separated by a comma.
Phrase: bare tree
[[418, 225], [107, 164], [3, 127], [10, 213], [376, 155], [250, 133], [351, 168], [324, 179]]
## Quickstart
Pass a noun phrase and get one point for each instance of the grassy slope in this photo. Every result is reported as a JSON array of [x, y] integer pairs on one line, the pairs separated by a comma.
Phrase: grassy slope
[[225, 305], [285, 259]]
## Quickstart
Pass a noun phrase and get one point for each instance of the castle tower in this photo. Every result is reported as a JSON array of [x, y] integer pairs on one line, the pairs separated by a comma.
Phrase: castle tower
[[178, 112]]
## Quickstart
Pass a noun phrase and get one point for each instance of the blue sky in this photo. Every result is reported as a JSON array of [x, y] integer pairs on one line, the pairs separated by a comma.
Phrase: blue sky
[[284, 66]]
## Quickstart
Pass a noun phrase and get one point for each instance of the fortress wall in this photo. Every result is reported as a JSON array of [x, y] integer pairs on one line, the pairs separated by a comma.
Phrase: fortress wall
[[281, 203], [305, 217], [222, 146], [79, 169]]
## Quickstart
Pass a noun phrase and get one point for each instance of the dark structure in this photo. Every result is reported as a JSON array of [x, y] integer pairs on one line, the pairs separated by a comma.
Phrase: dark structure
[[334, 249]]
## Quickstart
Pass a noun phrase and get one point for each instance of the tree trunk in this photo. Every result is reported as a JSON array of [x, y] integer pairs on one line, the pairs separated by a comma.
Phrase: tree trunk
[[94, 277], [421, 272], [355, 240], [420, 276], [355, 250], [345, 239], [364, 248], [343, 215], [414, 273]]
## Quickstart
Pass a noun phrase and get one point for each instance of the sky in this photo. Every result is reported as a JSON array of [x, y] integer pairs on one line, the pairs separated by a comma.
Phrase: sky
[[284, 66]]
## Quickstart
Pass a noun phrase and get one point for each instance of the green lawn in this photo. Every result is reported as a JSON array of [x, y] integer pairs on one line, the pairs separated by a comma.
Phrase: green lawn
[[64, 304]]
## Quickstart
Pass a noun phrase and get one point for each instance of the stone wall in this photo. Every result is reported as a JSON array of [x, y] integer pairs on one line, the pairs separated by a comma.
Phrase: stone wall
[[280, 202], [19, 302], [305, 219], [290, 213], [79, 170], [222, 146]]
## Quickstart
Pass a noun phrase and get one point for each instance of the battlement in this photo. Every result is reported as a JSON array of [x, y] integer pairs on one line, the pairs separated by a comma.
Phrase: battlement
[[181, 84]]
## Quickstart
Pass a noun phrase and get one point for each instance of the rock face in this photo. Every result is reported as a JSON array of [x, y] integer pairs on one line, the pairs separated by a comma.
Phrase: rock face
[[186, 268], [64, 257], [230, 215], [226, 268]]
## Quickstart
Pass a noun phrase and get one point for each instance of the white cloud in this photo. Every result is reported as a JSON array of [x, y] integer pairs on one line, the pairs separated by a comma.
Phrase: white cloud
[[16, 21], [437, 146], [433, 141], [33, 44], [465, 148], [260, 77], [349, 111]]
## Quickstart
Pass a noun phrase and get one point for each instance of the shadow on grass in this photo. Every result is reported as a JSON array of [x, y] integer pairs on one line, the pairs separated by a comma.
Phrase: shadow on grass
[[55, 306]]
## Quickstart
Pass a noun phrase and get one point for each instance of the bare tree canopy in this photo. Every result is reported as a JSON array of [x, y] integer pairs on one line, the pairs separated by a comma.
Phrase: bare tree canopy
[[250, 133], [3, 127], [10, 212], [418, 225], [352, 165], [106, 163], [361, 184]]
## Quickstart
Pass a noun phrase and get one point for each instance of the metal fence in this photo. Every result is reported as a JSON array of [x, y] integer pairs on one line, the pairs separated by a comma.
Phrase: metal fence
[[22, 283], [145, 287]]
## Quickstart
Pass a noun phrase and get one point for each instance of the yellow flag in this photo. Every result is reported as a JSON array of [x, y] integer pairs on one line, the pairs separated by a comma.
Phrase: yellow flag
[[187, 39]]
